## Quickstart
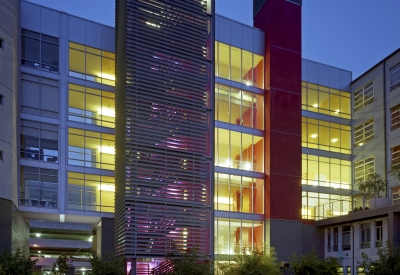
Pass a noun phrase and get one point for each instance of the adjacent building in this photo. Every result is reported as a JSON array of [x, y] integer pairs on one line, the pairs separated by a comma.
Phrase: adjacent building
[[181, 128]]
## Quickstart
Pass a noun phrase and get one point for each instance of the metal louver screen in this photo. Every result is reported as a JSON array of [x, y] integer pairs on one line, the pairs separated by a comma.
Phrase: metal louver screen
[[162, 127]]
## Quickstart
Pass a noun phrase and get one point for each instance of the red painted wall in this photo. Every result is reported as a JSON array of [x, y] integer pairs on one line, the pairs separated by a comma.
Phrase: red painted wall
[[281, 22]]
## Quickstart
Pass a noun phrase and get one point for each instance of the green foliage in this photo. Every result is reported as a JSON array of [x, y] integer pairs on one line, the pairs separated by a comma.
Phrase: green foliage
[[388, 261], [60, 267], [395, 170], [254, 262], [189, 261], [17, 263], [106, 264], [372, 187], [310, 264]]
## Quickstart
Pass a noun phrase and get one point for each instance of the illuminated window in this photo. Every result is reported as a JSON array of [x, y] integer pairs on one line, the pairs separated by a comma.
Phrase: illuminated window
[[326, 172], [363, 169], [317, 206], [39, 51], [232, 235], [91, 106], [395, 155], [363, 133], [238, 150], [91, 64], [395, 113], [90, 192], [364, 96], [346, 238], [325, 100], [239, 194], [91, 149], [239, 107], [324, 135], [239, 65], [365, 232], [394, 77]]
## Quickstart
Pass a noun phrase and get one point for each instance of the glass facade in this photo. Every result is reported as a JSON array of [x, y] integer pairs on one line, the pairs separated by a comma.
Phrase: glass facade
[[239, 150], [238, 194], [91, 149], [232, 235], [324, 100], [90, 192], [92, 106], [326, 172], [318, 206], [239, 65], [325, 135], [91, 64], [232, 105]]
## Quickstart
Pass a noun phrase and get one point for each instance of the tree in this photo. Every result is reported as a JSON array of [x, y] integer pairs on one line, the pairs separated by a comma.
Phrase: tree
[[395, 170], [388, 261], [189, 261], [372, 187], [106, 264], [253, 261], [310, 264], [17, 263], [60, 267]]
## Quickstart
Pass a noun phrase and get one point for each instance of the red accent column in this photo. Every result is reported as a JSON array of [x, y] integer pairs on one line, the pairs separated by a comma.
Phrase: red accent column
[[281, 22]]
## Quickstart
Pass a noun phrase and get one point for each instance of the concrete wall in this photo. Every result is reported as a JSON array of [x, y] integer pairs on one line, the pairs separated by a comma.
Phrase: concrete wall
[[313, 237], [9, 79]]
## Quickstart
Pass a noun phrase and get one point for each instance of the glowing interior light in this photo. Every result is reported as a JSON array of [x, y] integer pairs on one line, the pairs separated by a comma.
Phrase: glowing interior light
[[39, 251], [315, 105], [106, 112], [38, 235], [314, 135], [106, 76], [227, 163], [361, 144], [248, 83], [223, 200], [247, 166], [303, 182], [152, 24], [107, 150], [334, 139], [337, 111], [107, 187]]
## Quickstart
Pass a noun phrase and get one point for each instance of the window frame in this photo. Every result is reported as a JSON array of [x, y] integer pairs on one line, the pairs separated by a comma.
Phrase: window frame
[[362, 164], [1, 156], [393, 110], [1, 43], [364, 133], [364, 96], [365, 235], [1, 99], [346, 246], [378, 233], [395, 70]]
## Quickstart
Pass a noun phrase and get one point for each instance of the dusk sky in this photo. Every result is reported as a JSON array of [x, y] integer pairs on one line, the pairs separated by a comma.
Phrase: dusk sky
[[349, 34]]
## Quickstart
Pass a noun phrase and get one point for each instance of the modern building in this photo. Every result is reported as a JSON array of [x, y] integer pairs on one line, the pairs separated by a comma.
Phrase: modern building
[[183, 128]]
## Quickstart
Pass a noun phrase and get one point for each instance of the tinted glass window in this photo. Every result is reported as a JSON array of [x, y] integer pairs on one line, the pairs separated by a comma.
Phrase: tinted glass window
[[30, 49]]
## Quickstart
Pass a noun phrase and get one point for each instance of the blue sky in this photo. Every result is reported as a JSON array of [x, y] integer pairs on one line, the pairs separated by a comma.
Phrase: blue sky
[[349, 34]]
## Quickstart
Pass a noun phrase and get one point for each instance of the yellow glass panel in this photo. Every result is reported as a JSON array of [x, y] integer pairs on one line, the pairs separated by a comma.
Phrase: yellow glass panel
[[324, 89], [77, 141], [108, 109], [108, 68], [345, 139], [236, 56], [93, 50], [93, 104], [76, 61], [335, 175], [93, 65], [335, 137], [312, 133], [335, 105], [312, 100], [345, 175], [76, 175], [108, 54], [345, 104], [258, 71], [76, 131], [224, 59], [303, 96], [93, 91], [236, 149], [313, 86], [92, 177], [93, 134], [247, 68], [323, 102], [76, 100], [76, 46], [108, 94], [216, 61], [76, 87], [304, 136], [324, 135]]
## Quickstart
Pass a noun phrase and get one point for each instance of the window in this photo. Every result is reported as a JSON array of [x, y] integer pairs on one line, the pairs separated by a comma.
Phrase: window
[[379, 233], [39, 141], [395, 77], [91, 64], [325, 100], [329, 240], [395, 155], [395, 113], [346, 238], [324, 135], [317, 206], [239, 107], [1, 43], [38, 187], [92, 106], [365, 232], [1, 99], [363, 133], [39, 96], [1, 156], [39, 51], [363, 169], [335, 239], [364, 96], [91, 149]]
